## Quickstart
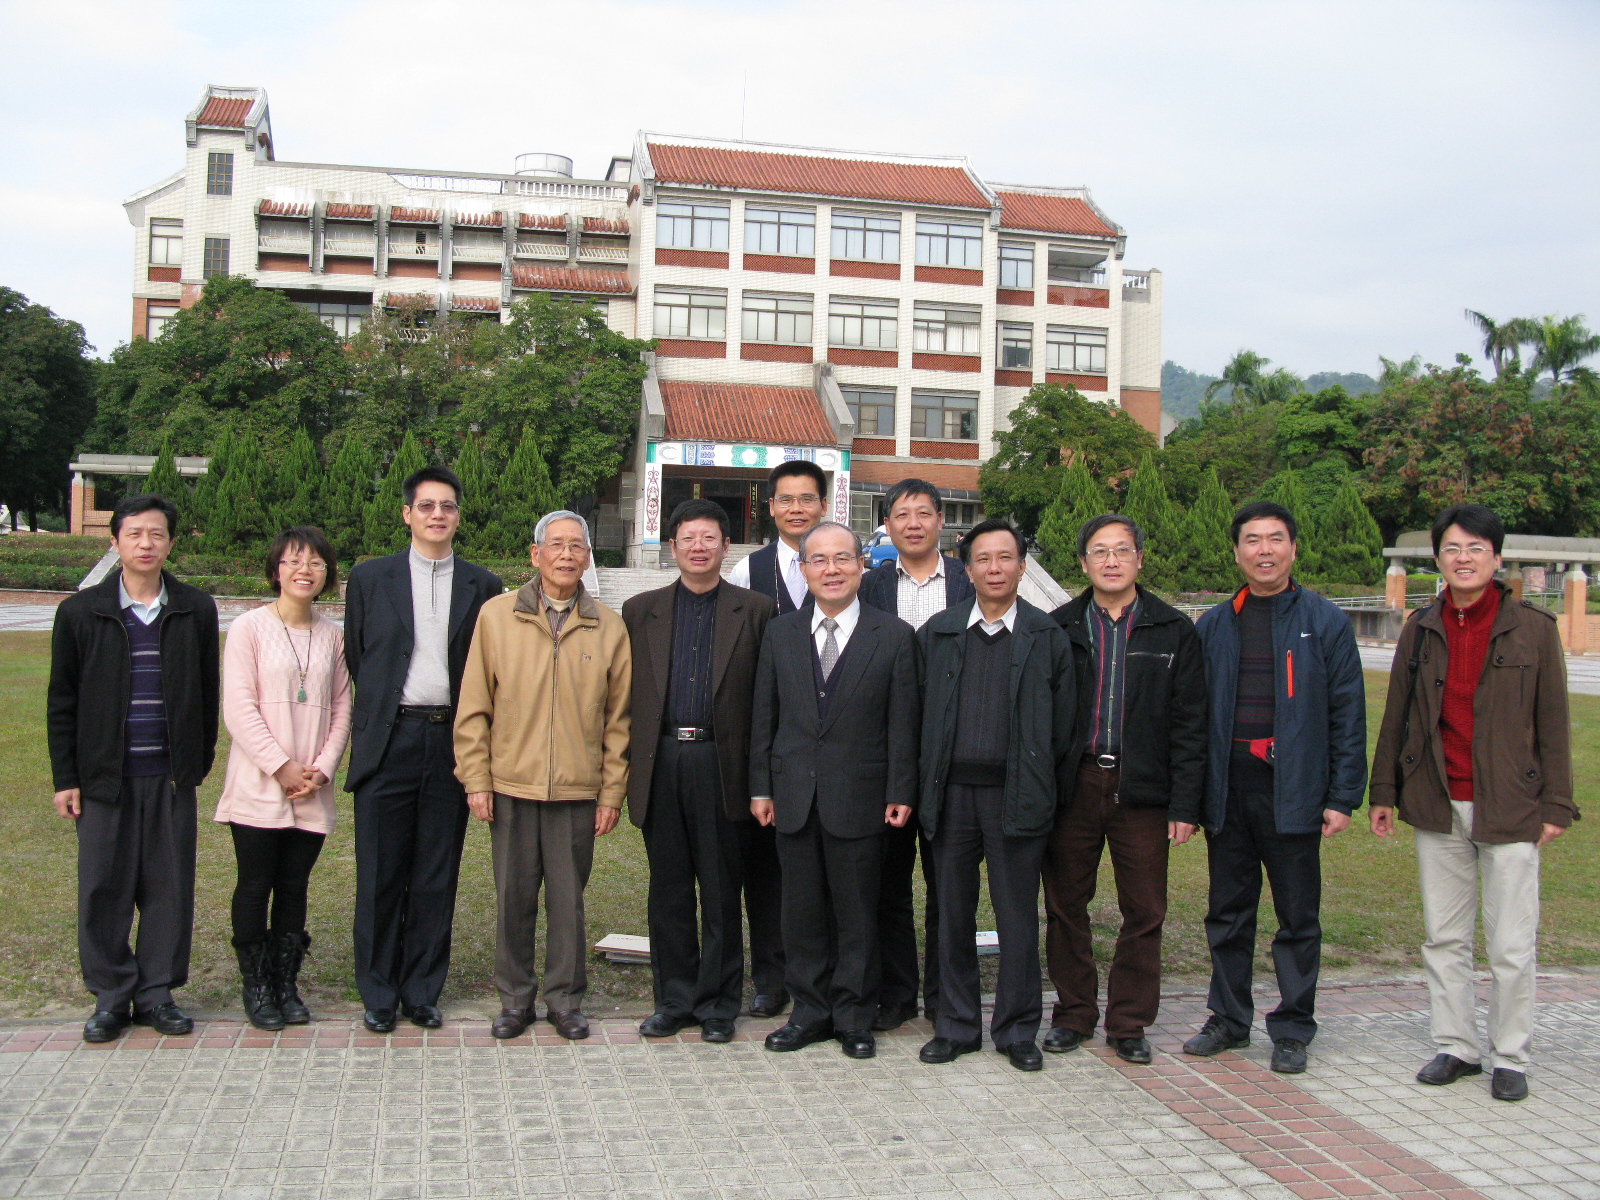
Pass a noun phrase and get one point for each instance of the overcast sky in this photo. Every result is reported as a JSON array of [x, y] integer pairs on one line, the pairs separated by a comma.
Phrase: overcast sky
[[1321, 182]]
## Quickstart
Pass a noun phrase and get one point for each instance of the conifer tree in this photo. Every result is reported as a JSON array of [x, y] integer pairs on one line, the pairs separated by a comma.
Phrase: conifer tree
[[164, 481], [203, 501], [478, 501], [1349, 543], [345, 498], [240, 524], [1081, 499], [525, 495], [1284, 488], [301, 483], [1207, 554], [385, 532], [1147, 504]]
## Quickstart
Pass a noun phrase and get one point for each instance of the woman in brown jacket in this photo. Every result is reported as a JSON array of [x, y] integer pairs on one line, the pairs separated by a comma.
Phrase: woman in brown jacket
[[1476, 751]]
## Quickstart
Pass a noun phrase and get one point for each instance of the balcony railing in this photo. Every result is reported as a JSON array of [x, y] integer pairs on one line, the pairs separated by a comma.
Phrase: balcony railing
[[1094, 276], [1136, 281], [604, 253], [413, 249], [282, 243], [477, 252], [540, 250], [413, 335], [362, 247], [579, 191]]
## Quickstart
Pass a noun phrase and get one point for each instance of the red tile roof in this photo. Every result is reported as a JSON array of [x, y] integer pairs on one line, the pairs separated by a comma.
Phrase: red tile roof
[[407, 299], [745, 412], [283, 208], [226, 111], [570, 279], [415, 216], [350, 212], [493, 220], [601, 225], [911, 183], [476, 303], [538, 221], [1051, 214]]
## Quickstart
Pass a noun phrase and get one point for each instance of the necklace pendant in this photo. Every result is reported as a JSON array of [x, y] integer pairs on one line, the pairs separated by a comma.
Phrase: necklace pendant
[[302, 696]]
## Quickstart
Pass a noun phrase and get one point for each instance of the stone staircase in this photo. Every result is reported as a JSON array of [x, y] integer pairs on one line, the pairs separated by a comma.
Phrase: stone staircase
[[615, 585]]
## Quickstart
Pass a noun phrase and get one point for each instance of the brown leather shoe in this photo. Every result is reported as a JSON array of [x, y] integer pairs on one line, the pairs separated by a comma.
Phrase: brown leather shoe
[[572, 1024], [510, 1023]]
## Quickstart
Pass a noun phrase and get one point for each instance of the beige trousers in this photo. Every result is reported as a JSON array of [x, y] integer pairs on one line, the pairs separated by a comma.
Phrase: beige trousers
[[1453, 868], [549, 844]]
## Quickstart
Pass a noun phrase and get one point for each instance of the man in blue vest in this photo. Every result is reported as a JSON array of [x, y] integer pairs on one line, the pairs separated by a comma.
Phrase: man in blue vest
[[797, 496]]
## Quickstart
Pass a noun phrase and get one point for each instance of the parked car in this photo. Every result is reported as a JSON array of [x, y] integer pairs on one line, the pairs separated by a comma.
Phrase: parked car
[[879, 549]]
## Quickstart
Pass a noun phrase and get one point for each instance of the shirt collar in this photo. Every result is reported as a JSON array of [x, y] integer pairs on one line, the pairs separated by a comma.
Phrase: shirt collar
[[432, 565], [786, 554], [1008, 618], [846, 620], [938, 572], [145, 611]]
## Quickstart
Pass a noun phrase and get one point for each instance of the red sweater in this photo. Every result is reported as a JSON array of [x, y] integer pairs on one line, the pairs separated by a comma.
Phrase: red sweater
[[1466, 632]]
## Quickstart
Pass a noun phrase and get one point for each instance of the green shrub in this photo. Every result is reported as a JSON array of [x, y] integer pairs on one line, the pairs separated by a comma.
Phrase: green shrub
[[608, 557], [30, 577]]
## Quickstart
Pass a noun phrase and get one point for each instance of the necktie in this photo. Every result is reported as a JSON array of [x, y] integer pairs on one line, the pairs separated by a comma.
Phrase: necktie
[[793, 580], [830, 647]]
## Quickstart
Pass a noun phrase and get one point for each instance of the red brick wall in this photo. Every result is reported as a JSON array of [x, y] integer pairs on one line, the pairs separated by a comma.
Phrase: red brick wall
[[141, 321], [1144, 406], [1080, 297], [677, 348], [1012, 296], [947, 362], [766, 352], [1084, 383], [348, 266], [864, 270], [488, 272], [780, 262], [949, 275], [847, 356], [668, 257], [1014, 378], [872, 446], [164, 274], [412, 269], [284, 262], [944, 449]]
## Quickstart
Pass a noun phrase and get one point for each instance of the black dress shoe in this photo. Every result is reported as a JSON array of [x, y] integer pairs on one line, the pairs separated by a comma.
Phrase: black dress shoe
[[1060, 1039], [1131, 1049], [943, 1049], [662, 1024], [572, 1024], [1024, 1056], [1506, 1084], [716, 1029], [1447, 1068], [858, 1043], [798, 1037], [165, 1018], [378, 1020], [769, 1005], [105, 1026], [510, 1023], [1288, 1056], [1215, 1037], [423, 1016], [892, 1016]]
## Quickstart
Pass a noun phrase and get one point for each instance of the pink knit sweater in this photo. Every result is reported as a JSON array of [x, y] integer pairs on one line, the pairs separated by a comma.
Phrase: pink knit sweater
[[260, 682]]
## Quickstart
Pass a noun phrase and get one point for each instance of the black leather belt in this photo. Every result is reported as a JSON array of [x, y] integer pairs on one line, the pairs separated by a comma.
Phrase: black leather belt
[[439, 714], [686, 733], [1104, 761]]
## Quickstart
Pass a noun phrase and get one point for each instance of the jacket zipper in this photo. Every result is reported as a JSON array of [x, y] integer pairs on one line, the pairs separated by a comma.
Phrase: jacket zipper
[[555, 699], [1289, 656]]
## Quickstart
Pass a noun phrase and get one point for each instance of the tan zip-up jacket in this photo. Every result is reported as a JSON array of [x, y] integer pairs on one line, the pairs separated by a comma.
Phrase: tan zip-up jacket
[[543, 717]]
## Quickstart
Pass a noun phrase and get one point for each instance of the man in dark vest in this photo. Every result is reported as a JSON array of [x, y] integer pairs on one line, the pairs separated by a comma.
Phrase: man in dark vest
[[797, 495], [918, 582]]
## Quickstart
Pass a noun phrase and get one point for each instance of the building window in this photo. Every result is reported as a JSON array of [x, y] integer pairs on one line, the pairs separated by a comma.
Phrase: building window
[[1016, 346], [692, 226], [1076, 349], [945, 244], [777, 319], [874, 239], [780, 231], [216, 258], [864, 512], [685, 314], [872, 324], [344, 319], [156, 317], [948, 416], [1016, 267], [945, 329], [873, 411], [166, 243], [219, 174], [1069, 265], [958, 513]]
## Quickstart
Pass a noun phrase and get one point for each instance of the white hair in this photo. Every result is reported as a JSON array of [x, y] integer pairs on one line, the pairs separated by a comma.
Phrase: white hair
[[561, 514]]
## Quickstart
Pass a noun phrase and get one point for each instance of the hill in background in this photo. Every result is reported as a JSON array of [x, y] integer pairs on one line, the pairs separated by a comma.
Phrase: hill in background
[[1182, 390]]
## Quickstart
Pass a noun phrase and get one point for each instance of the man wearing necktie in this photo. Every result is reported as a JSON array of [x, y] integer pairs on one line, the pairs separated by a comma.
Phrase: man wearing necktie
[[833, 763]]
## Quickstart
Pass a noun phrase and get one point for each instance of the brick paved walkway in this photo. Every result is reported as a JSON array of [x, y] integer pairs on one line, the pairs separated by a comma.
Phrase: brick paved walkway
[[331, 1111]]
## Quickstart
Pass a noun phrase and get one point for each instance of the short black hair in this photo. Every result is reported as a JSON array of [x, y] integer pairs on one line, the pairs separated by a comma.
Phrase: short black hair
[[442, 475], [132, 506], [991, 525], [1259, 511], [911, 487], [310, 538], [797, 466], [1475, 519], [1095, 524], [697, 510]]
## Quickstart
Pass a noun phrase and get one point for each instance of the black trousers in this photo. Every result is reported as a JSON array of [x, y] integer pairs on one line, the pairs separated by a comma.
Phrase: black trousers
[[830, 924], [411, 822], [274, 865], [696, 957], [763, 905], [897, 926], [970, 833], [1247, 843], [136, 855]]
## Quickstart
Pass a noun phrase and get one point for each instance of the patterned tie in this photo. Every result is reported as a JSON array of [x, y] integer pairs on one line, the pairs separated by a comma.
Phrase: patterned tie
[[830, 647]]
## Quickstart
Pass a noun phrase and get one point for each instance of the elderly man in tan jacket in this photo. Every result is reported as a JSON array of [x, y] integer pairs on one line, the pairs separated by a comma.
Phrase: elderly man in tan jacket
[[541, 740]]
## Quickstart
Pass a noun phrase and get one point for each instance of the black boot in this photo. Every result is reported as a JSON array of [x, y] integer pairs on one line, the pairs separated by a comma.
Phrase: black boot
[[288, 952], [255, 969]]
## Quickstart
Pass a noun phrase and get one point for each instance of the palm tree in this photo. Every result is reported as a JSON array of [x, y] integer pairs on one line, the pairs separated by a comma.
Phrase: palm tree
[[1242, 376], [1502, 343], [1560, 346], [1398, 372], [1283, 384]]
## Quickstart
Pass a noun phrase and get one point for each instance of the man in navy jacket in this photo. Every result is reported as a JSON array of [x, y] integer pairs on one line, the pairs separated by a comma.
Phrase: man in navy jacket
[[1286, 768]]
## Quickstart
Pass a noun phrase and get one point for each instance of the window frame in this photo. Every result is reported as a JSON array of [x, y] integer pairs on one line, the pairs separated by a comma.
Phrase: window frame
[[1058, 336], [155, 326], [167, 238], [690, 308], [1010, 341], [938, 238], [219, 173], [1010, 258], [345, 322], [968, 405], [702, 219], [839, 328], [854, 398], [805, 231], [925, 327], [887, 239], [215, 248], [781, 316]]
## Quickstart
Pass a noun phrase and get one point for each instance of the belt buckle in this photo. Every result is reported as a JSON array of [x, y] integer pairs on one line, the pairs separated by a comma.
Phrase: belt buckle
[[1106, 761], [438, 718], [685, 733]]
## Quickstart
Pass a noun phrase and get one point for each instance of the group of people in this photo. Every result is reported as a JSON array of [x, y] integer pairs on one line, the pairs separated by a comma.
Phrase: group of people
[[789, 741]]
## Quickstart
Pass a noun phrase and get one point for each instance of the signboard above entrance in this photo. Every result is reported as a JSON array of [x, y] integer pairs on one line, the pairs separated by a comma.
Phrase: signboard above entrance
[[728, 454]]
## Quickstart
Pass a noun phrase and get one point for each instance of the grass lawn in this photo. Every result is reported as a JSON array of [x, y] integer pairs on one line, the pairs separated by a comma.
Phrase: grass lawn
[[1370, 910]]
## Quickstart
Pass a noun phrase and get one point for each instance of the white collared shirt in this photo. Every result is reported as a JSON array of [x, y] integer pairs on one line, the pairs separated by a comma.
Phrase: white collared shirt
[[847, 625], [788, 571], [147, 613], [916, 602], [1007, 621]]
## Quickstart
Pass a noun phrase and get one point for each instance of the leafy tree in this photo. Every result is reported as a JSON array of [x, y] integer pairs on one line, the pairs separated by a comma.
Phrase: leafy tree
[[1052, 427], [46, 402], [300, 484], [165, 481], [1205, 561], [386, 533], [478, 498], [525, 495], [1349, 544], [345, 499], [1147, 503], [1239, 441], [1080, 500], [1309, 428]]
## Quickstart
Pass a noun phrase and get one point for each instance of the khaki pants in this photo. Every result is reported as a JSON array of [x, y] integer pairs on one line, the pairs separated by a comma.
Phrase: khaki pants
[[1452, 868], [548, 843]]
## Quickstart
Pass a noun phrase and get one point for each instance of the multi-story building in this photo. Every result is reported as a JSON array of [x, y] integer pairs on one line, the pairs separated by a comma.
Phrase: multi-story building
[[881, 314]]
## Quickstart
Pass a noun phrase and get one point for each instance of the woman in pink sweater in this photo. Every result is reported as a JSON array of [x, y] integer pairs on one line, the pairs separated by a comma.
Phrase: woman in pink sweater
[[286, 702]]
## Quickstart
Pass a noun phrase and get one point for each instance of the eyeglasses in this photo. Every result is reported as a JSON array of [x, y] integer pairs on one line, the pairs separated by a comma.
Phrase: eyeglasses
[[1475, 550], [1104, 554], [809, 500], [842, 559], [448, 507], [558, 548], [708, 542], [300, 564]]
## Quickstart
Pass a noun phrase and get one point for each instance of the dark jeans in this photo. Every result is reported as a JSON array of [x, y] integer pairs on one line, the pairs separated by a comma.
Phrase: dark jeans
[[830, 924], [970, 833], [1137, 837], [1248, 842], [411, 821], [136, 855], [273, 864], [897, 924], [763, 905], [696, 957]]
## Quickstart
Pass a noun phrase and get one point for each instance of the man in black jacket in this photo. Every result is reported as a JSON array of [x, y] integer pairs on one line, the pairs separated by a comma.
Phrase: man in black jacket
[[1140, 781], [407, 627], [918, 582], [833, 760], [998, 749], [133, 731]]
